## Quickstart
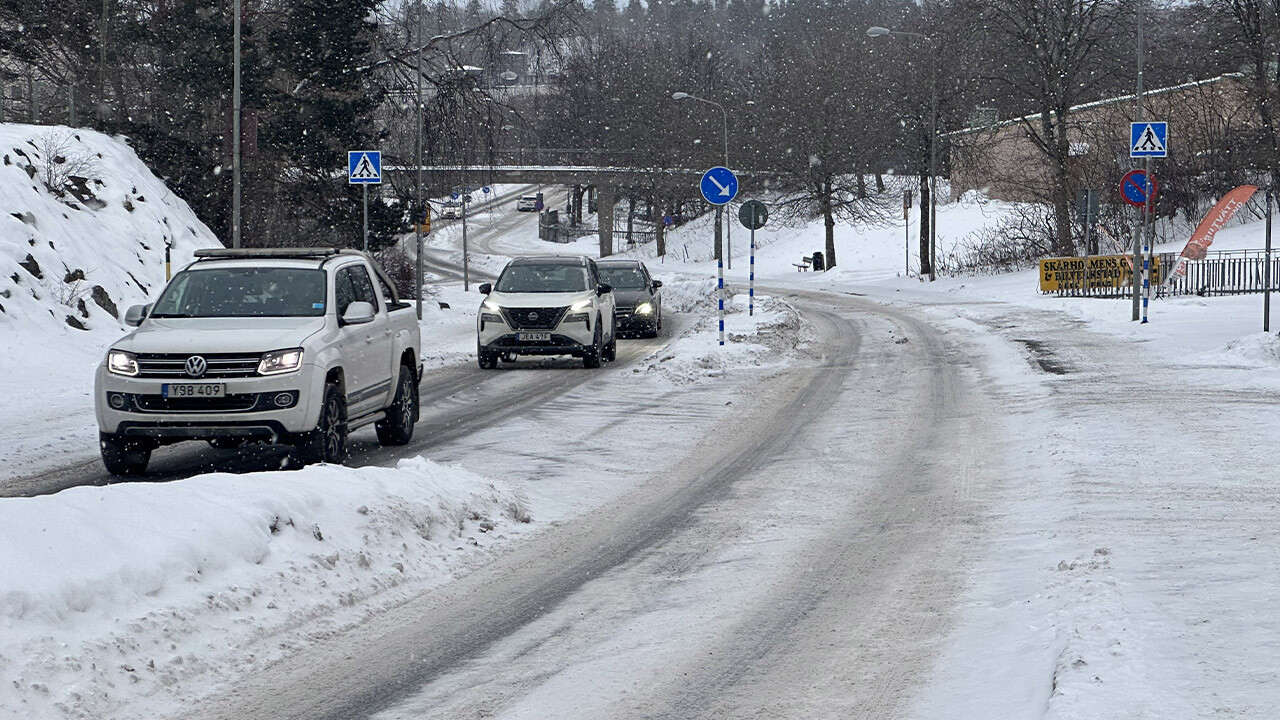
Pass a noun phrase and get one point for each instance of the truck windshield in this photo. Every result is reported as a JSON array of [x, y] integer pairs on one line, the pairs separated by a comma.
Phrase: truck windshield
[[243, 292], [543, 279]]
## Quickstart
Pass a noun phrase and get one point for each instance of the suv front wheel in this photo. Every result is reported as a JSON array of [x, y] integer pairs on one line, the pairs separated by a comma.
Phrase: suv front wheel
[[328, 442], [124, 458], [591, 358]]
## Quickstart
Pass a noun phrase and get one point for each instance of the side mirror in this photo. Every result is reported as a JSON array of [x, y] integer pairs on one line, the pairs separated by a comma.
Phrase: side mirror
[[134, 316], [657, 284], [485, 288], [358, 313], [603, 288]]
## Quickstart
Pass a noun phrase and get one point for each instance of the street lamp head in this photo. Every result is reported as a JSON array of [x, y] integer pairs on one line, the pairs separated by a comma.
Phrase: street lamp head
[[877, 31], [679, 95]]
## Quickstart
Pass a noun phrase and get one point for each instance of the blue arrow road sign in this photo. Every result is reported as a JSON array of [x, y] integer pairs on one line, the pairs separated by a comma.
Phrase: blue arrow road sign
[[1149, 139], [719, 185], [364, 166]]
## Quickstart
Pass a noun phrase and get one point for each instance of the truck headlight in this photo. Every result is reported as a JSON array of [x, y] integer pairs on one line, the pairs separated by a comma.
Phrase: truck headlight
[[280, 361], [122, 363], [644, 309]]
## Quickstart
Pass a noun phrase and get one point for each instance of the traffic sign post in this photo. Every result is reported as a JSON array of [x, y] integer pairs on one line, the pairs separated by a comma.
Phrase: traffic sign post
[[753, 215], [1087, 209], [1148, 139], [1139, 188], [364, 168], [719, 186]]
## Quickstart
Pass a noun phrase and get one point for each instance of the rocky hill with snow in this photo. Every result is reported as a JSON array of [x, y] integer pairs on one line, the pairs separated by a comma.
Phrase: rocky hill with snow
[[83, 229]]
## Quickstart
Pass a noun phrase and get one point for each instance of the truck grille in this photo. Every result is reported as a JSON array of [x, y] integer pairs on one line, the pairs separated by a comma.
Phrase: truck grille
[[230, 403], [533, 318], [174, 365]]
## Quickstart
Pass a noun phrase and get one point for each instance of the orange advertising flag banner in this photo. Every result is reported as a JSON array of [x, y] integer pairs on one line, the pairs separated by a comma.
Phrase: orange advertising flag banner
[[1198, 246]]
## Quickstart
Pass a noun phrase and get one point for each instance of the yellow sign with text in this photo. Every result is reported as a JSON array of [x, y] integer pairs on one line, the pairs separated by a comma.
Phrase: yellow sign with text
[[1104, 271]]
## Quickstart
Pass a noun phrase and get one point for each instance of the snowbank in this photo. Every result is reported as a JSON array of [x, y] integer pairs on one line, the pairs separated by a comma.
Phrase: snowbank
[[84, 230], [115, 593]]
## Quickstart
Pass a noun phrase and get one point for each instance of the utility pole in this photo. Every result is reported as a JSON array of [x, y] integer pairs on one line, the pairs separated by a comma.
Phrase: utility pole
[[235, 132], [417, 221], [1138, 230]]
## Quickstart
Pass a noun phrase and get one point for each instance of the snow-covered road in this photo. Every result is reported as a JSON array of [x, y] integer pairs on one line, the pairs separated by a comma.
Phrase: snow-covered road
[[802, 558]]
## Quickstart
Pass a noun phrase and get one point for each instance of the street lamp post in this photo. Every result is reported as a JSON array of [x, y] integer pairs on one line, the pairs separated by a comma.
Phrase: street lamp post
[[933, 137], [235, 130], [728, 244]]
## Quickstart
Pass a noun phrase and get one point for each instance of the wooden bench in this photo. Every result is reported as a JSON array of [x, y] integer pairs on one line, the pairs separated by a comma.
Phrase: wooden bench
[[803, 264]]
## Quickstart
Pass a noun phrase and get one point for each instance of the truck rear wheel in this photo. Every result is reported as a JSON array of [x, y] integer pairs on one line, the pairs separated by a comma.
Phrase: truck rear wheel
[[397, 428], [328, 442], [124, 458]]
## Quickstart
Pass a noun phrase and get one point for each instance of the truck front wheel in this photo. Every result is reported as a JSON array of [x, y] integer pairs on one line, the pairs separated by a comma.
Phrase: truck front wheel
[[124, 458], [328, 442], [397, 428]]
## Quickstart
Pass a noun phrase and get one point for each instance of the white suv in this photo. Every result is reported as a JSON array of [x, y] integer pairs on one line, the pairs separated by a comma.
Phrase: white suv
[[550, 305], [281, 345]]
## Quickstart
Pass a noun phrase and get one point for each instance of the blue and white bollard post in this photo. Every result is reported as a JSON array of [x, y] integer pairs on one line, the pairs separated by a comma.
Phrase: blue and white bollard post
[[751, 274], [720, 294]]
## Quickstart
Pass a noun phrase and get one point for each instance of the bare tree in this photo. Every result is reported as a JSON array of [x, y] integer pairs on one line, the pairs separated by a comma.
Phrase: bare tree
[[1046, 50]]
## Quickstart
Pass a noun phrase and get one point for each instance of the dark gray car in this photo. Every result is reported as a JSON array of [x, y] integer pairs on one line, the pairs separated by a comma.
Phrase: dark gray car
[[639, 302]]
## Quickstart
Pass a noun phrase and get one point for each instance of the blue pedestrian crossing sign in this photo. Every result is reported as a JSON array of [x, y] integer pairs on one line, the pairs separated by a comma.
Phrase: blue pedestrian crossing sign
[[719, 185], [1149, 139], [364, 167]]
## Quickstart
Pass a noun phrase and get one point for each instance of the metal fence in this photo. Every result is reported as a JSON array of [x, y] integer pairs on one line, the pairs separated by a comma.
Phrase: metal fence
[[1224, 272]]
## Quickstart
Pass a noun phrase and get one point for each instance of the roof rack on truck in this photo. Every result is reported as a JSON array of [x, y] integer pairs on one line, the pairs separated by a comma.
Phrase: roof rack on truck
[[313, 252]]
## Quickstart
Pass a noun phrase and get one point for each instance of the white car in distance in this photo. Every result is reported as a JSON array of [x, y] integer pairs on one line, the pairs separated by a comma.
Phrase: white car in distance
[[547, 305]]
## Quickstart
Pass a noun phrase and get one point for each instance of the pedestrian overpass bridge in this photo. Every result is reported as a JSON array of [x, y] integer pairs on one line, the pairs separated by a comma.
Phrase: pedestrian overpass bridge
[[609, 182]]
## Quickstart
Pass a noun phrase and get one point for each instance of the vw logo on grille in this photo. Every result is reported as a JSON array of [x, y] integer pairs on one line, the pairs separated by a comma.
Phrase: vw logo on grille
[[196, 366], [533, 317]]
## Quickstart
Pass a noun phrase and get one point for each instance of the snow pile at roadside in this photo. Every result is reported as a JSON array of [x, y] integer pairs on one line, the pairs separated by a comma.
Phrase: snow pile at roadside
[[1260, 349], [769, 338], [122, 592], [85, 225]]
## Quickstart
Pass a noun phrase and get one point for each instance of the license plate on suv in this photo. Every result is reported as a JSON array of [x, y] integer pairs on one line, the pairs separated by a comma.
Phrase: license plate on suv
[[533, 337], [182, 390]]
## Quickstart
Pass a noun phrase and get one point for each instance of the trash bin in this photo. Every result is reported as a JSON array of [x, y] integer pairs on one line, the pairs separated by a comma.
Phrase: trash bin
[[818, 263]]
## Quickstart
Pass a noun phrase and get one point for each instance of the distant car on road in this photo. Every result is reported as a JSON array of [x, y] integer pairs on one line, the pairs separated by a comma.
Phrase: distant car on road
[[527, 203], [547, 305], [638, 302], [451, 210]]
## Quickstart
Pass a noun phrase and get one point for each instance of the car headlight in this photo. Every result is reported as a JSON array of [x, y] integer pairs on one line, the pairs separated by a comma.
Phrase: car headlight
[[580, 305], [644, 309], [122, 363], [490, 305], [280, 361], [577, 317], [490, 318]]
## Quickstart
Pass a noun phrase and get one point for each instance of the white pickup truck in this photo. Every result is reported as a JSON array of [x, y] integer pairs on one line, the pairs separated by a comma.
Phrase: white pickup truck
[[280, 345]]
